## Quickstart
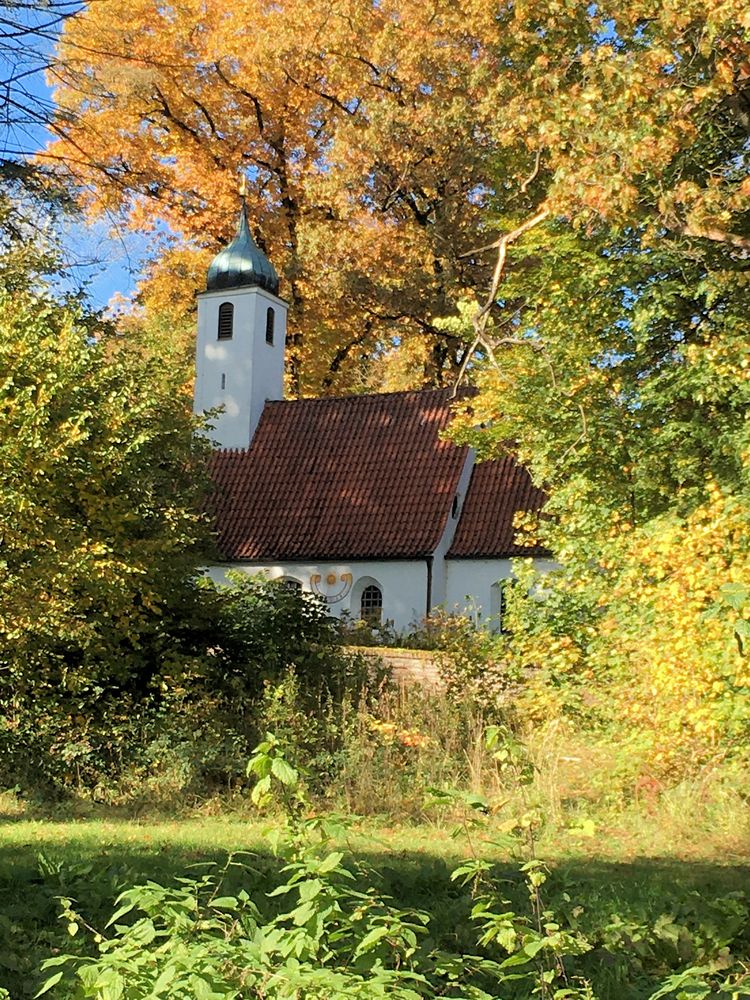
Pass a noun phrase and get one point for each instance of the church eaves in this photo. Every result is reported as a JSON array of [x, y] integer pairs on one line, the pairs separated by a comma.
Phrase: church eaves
[[362, 477], [497, 491]]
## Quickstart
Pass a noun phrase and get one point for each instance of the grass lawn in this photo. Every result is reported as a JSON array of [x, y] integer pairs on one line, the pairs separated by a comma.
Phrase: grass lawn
[[614, 877]]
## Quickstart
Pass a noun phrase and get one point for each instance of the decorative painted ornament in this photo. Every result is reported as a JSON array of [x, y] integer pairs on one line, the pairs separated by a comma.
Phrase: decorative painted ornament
[[330, 581]]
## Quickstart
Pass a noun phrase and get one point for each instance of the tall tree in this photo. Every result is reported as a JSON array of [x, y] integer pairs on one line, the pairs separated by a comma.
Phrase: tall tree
[[356, 125], [615, 356], [32, 199], [375, 135]]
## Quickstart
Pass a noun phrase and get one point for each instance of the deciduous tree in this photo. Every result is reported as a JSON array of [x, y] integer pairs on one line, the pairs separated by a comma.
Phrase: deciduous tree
[[615, 358], [100, 480], [357, 126]]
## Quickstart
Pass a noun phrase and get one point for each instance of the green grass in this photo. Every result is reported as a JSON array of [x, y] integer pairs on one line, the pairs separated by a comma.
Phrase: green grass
[[618, 883]]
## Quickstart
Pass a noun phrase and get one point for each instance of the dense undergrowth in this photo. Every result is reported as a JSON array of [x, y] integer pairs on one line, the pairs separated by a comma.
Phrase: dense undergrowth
[[305, 917]]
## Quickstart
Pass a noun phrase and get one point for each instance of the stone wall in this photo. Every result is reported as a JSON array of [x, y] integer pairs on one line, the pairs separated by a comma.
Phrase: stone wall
[[407, 666]]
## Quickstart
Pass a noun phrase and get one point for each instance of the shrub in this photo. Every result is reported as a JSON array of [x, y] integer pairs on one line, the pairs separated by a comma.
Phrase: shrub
[[189, 731]]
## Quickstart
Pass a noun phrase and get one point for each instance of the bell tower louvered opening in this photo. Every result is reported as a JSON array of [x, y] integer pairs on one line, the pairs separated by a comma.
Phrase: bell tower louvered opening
[[226, 321]]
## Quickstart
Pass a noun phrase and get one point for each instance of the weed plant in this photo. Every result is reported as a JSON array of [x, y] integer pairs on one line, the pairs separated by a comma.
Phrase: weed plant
[[329, 929]]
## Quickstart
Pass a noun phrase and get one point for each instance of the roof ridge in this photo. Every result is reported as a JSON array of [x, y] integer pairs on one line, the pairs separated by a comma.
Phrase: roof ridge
[[362, 395]]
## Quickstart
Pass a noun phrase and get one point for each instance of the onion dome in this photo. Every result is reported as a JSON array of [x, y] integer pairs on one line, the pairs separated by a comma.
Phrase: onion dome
[[242, 263]]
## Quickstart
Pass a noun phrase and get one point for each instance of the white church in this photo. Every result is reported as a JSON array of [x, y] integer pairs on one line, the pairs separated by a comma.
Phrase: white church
[[355, 499]]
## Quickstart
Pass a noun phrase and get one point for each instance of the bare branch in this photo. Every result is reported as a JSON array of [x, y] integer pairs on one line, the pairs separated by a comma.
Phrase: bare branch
[[710, 233], [579, 440], [533, 173], [245, 93], [480, 320], [481, 317], [322, 94]]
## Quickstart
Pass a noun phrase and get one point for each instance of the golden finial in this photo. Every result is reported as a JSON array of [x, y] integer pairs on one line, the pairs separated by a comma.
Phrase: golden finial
[[243, 185]]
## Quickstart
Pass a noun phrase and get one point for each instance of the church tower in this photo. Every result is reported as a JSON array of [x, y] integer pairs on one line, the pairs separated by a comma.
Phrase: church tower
[[239, 361]]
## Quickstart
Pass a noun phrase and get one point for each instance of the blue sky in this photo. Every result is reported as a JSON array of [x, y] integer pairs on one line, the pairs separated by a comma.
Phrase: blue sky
[[102, 257]]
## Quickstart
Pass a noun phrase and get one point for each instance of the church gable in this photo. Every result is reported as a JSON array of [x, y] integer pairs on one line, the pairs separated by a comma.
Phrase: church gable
[[358, 477], [497, 490]]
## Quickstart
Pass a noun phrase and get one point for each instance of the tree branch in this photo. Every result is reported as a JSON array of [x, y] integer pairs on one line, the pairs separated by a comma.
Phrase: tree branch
[[710, 233], [480, 320]]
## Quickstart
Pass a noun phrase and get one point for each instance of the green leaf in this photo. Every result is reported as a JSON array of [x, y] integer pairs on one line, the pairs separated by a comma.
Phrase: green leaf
[[370, 940], [333, 860], [225, 903], [49, 983], [261, 790], [164, 979], [736, 595], [120, 913], [284, 772]]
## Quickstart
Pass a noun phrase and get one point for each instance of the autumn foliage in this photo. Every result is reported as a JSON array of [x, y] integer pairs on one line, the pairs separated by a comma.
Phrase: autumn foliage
[[384, 144], [380, 139]]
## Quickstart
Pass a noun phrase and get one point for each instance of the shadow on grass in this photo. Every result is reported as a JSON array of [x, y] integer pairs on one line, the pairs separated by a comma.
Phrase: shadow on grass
[[637, 915]]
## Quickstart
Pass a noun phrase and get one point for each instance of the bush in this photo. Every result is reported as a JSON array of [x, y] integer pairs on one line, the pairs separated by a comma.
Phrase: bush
[[190, 730]]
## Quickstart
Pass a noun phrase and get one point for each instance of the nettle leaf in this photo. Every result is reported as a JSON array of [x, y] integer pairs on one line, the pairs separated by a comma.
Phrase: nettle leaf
[[301, 914], [310, 889], [49, 983], [284, 772], [123, 910], [225, 903], [261, 790], [333, 860], [165, 978], [88, 974], [111, 985], [371, 939]]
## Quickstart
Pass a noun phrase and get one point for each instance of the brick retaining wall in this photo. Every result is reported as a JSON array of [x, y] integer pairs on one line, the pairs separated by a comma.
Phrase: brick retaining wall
[[407, 666]]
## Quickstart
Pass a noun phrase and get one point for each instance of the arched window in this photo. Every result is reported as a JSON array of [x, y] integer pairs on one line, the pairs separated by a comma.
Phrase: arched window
[[371, 605], [270, 318], [289, 583], [226, 321]]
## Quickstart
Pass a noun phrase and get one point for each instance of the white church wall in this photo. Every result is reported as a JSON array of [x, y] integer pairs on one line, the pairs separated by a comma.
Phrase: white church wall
[[240, 373], [403, 584], [474, 586], [470, 584], [440, 564]]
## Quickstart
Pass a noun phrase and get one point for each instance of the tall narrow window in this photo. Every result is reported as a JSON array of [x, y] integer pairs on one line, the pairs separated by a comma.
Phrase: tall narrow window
[[223, 380], [371, 605], [498, 597], [270, 318], [226, 321]]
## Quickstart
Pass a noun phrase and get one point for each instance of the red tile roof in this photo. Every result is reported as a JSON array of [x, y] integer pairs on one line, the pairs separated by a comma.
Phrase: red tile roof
[[497, 490], [362, 477], [358, 477]]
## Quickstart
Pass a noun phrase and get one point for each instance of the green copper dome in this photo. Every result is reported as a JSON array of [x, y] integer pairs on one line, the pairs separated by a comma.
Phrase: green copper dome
[[242, 263]]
